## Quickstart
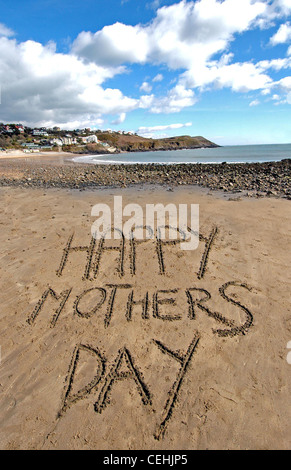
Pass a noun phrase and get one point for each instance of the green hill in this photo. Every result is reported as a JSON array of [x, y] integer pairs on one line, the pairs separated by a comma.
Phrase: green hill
[[135, 143]]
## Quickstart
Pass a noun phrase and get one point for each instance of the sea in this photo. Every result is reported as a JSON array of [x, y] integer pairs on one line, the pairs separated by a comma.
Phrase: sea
[[228, 154]]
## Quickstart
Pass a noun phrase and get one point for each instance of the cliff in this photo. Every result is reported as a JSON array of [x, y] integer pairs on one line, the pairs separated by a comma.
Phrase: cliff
[[135, 143]]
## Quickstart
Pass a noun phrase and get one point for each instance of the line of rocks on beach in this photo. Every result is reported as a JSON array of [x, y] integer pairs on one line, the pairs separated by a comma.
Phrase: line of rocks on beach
[[254, 179]]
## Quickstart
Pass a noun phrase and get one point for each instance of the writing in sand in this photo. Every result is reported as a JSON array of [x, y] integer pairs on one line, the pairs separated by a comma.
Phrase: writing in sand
[[155, 304]]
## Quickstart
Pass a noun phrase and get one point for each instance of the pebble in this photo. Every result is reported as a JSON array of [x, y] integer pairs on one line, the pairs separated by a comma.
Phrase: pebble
[[271, 179]]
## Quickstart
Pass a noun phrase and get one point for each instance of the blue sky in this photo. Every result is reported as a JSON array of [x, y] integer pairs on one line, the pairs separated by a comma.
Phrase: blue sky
[[217, 68]]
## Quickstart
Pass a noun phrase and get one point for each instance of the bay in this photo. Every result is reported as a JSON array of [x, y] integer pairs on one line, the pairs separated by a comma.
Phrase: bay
[[228, 154]]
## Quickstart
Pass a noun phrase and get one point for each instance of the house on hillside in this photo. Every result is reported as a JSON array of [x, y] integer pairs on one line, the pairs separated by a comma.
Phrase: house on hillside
[[58, 142], [90, 139], [39, 132], [69, 140]]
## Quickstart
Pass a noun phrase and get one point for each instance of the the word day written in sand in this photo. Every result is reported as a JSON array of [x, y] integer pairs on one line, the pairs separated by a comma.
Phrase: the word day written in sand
[[152, 306]]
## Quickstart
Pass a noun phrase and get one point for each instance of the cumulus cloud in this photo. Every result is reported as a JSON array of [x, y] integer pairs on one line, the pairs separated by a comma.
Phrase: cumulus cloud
[[275, 10], [146, 87], [113, 45], [180, 34], [121, 118], [254, 103], [42, 86], [193, 38], [284, 84], [177, 99], [4, 31], [276, 64], [150, 131], [154, 4], [158, 78], [186, 36], [282, 35], [282, 6], [146, 101], [240, 77], [164, 128]]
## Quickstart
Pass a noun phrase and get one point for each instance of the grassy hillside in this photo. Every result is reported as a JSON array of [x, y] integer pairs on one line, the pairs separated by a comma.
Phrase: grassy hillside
[[135, 143]]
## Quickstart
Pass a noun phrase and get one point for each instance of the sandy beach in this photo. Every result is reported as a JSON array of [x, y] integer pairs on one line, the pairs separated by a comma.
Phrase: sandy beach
[[198, 362], [48, 157]]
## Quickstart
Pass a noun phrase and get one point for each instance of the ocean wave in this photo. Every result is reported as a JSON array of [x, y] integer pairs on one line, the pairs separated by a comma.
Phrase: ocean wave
[[230, 155], [93, 160]]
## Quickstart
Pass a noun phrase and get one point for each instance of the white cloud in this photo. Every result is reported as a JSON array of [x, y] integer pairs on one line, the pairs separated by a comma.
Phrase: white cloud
[[254, 103], [121, 118], [284, 84], [154, 4], [42, 86], [283, 6], [275, 9], [152, 131], [181, 34], [4, 31], [146, 101], [192, 38], [113, 45], [146, 87], [158, 78], [240, 77], [165, 127], [177, 98], [187, 35], [84, 121], [277, 103], [282, 35], [276, 64]]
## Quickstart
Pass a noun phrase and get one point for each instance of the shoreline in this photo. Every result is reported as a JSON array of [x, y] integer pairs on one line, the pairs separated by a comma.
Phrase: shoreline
[[15, 154], [59, 171]]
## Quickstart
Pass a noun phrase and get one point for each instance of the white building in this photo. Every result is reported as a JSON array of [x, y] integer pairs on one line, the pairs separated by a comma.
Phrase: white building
[[58, 142], [90, 139], [40, 133], [69, 141], [63, 141]]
